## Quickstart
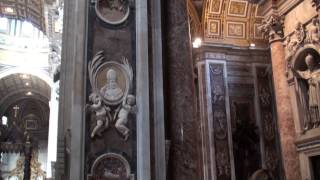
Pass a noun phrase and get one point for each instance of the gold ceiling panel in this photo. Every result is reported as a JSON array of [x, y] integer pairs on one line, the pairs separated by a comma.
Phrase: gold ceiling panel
[[233, 22], [25, 10]]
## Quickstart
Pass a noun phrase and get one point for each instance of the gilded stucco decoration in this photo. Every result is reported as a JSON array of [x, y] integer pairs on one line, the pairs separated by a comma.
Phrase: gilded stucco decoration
[[232, 22]]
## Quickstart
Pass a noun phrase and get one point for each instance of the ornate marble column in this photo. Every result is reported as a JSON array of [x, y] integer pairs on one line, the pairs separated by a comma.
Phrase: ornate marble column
[[180, 97], [273, 29]]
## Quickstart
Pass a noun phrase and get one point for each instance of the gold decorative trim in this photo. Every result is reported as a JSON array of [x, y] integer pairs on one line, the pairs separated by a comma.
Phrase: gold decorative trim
[[236, 30], [211, 6], [217, 31], [256, 11], [256, 32], [237, 4]]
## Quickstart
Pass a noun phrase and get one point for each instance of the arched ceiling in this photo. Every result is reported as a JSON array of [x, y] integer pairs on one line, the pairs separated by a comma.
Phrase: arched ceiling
[[29, 10], [18, 86], [230, 22]]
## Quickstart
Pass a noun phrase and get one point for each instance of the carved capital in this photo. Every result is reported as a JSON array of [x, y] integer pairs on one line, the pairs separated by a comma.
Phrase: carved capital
[[272, 28]]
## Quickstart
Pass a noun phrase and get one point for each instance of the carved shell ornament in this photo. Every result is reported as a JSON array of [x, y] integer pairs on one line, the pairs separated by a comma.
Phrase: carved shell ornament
[[113, 11]]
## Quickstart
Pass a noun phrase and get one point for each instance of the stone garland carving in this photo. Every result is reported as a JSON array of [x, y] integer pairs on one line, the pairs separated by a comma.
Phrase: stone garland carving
[[110, 100], [308, 89], [111, 166], [220, 124], [294, 42], [268, 121]]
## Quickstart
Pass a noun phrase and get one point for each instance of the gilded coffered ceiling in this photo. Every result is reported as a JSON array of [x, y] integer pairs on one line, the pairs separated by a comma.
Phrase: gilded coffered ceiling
[[233, 22]]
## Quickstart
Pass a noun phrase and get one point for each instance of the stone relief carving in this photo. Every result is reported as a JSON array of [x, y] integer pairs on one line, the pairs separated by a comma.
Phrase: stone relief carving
[[272, 27], [111, 101], [102, 114], [264, 96], [268, 123], [269, 131], [128, 106], [294, 42], [111, 166], [223, 165], [221, 128], [220, 124], [113, 11], [313, 32], [309, 92]]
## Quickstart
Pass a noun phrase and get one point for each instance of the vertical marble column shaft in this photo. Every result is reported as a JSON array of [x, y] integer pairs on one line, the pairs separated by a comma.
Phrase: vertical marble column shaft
[[180, 97], [284, 110], [142, 91]]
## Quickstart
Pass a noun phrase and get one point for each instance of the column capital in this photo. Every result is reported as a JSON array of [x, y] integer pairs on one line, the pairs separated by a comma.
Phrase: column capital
[[272, 28]]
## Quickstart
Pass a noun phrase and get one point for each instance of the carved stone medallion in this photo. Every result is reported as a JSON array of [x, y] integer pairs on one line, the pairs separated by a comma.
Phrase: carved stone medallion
[[111, 166], [113, 11], [112, 80]]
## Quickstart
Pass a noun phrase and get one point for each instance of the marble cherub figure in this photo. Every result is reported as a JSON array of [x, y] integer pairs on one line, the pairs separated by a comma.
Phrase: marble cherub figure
[[128, 106], [102, 114]]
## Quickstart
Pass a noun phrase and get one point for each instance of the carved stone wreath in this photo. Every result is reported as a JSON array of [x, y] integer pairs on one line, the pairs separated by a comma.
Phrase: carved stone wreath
[[113, 11]]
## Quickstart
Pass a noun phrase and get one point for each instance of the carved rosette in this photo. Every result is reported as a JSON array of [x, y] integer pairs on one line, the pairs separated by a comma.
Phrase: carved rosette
[[272, 28], [220, 123]]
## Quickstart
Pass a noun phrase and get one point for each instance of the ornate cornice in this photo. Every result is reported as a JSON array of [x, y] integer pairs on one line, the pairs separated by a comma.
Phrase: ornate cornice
[[272, 28]]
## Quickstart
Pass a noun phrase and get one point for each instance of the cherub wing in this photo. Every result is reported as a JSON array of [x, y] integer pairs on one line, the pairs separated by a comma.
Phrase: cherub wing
[[93, 67]]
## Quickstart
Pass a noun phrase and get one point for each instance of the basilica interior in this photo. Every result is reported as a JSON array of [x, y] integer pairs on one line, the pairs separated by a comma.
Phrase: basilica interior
[[160, 89]]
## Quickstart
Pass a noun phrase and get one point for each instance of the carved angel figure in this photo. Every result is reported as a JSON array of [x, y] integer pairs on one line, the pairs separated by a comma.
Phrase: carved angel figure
[[299, 33], [102, 114], [128, 106], [314, 31]]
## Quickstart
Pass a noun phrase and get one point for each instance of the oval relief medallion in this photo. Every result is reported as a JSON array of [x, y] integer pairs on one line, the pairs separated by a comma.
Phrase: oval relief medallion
[[113, 11]]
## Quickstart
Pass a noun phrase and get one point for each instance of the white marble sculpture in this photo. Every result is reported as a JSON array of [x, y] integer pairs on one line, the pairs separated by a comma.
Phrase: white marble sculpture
[[128, 106]]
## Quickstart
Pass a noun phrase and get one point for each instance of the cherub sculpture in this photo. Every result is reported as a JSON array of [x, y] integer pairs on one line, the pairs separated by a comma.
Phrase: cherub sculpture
[[128, 106], [102, 114]]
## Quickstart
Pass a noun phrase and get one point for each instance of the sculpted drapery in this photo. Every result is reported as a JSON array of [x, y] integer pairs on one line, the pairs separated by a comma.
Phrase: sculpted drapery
[[308, 88]]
